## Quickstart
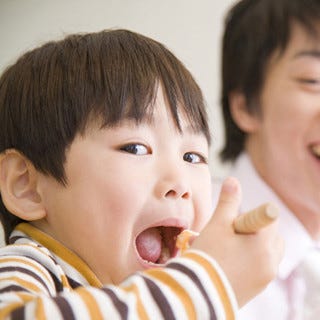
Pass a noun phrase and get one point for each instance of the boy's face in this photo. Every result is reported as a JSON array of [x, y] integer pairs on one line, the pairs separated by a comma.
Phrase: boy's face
[[130, 189], [285, 145]]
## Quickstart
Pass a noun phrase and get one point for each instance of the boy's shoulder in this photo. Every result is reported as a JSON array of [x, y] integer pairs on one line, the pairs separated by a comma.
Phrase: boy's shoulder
[[25, 255], [24, 249], [31, 248]]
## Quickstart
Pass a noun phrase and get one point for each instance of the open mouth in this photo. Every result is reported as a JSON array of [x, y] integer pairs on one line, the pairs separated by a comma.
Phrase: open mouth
[[157, 244]]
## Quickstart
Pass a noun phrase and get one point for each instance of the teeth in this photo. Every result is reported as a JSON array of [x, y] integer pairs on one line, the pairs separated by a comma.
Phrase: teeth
[[316, 150]]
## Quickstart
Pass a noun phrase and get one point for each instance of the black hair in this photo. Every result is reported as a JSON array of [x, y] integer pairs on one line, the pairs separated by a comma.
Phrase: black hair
[[254, 31], [51, 93]]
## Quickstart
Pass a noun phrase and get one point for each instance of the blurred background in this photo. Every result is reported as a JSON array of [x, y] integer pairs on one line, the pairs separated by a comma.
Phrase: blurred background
[[190, 29]]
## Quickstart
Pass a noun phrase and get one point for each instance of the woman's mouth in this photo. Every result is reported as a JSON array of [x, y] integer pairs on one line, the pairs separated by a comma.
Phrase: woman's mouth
[[156, 245]]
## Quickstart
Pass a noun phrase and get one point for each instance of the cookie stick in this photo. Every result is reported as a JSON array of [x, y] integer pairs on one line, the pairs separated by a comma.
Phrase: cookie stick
[[255, 219], [249, 222]]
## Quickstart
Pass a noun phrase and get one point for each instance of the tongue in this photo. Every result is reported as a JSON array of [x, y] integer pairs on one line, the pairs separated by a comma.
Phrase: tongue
[[149, 244]]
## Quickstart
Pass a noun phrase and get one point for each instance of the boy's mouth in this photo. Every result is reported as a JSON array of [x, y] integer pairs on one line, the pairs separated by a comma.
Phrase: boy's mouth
[[157, 244]]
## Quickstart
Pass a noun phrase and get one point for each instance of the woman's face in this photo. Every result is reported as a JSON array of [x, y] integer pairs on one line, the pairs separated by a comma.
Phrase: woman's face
[[285, 142]]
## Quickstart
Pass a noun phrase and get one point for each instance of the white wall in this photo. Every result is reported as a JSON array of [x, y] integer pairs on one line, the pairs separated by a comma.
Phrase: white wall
[[191, 29]]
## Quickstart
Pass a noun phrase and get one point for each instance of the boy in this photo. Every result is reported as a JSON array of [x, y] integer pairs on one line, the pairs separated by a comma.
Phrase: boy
[[270, 98], [104, 162]]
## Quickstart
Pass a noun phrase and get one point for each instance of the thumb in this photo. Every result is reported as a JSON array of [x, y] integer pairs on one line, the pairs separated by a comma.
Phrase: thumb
[[229, 199]]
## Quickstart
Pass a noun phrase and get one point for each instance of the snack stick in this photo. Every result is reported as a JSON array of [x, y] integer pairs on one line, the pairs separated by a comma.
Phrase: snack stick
[[256, 219], [249, 222], [183, 239]]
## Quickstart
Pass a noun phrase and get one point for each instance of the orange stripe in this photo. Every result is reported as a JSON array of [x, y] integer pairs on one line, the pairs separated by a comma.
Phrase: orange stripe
[[176, 288], [91, 303], [24, 284], [26, 297], [65, 282], [5, 311], [40, 314], [141, 310], [215, 278], [28, 263]]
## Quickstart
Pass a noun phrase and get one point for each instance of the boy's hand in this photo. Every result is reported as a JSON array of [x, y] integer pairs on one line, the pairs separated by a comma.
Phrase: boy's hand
[[249, 261]]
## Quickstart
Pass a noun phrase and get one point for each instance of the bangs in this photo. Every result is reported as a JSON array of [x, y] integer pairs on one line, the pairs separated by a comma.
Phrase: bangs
[[112, 75], [144, 68]]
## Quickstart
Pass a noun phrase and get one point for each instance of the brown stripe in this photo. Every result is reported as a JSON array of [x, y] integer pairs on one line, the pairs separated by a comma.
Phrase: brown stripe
[[91, 303], [13, 288], [175, 286], [216, 280], [160, 299], [141, 311], [65, 308], [17, 314], [19, 306], [197, 282], [10, 310], [25, 272], [63, 252], [24, 283], [25, 260], [121, 307], [28, 254]]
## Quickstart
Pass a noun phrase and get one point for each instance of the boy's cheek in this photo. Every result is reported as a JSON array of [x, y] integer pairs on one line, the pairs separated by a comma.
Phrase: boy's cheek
[[203, 214]]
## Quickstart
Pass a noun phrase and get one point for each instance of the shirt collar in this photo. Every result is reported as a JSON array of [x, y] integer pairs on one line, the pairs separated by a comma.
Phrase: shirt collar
[[72, 264]]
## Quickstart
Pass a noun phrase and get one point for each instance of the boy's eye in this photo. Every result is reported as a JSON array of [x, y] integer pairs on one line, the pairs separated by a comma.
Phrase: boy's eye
[[135, 148], [194, 158]]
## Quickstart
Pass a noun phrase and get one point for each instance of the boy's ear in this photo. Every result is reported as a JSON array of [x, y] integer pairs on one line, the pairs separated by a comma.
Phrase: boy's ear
[[246, 121], [18, 186]]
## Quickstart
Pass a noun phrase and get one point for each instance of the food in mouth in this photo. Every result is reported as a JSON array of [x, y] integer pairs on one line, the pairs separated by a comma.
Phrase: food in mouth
[[157, 244], [184, 238], [315, 149]]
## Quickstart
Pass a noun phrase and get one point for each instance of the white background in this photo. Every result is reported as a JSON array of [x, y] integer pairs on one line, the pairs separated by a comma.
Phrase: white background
[[190, 29]]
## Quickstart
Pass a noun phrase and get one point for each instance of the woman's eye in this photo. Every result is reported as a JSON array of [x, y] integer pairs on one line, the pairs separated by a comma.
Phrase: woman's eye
[[310, 84], [135, 148], [309, 80], [194, 158]]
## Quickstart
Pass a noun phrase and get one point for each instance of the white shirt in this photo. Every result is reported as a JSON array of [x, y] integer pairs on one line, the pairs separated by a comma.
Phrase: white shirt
[[274, 302]]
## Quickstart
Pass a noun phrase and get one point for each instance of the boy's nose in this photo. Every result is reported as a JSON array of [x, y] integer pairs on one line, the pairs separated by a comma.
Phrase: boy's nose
[[178, 192], [173, 185]]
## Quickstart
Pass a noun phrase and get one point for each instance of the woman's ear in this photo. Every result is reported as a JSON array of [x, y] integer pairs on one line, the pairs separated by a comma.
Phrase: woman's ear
[[18, 186], [246, 121]]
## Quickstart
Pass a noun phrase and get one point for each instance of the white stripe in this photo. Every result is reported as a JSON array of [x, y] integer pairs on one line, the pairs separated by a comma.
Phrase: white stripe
[[105, 303], [151, 307]]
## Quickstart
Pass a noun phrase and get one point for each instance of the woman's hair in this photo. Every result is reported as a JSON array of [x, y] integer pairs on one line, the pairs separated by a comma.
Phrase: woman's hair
[[254, 31], [52, 92]]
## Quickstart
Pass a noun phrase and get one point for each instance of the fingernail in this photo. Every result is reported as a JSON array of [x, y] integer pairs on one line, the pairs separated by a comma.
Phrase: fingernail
[[230, 185]]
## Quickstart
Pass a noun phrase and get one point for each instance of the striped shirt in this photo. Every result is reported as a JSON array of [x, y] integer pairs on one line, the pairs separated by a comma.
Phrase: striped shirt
[[41, 279]]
